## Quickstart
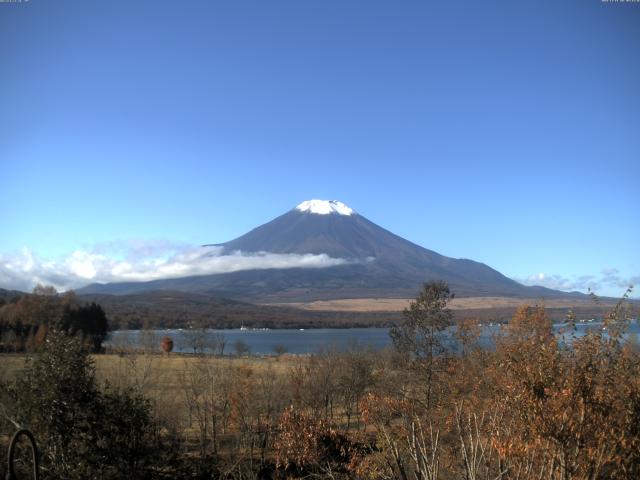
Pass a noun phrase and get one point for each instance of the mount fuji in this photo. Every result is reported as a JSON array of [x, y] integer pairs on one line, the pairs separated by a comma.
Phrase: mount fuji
[[369, 262]]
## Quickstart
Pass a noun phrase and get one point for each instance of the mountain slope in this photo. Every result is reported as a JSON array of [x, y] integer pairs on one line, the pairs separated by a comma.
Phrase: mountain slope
[[378, 263]]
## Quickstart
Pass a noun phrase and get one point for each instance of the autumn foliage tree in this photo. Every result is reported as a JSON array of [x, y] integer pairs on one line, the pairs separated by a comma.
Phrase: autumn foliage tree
[[574, 409], [307, 446], [24, 323], [542, 405], [166, 344]]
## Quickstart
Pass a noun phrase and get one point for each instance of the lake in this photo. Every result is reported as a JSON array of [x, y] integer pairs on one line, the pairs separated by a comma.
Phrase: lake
[[264, 342]]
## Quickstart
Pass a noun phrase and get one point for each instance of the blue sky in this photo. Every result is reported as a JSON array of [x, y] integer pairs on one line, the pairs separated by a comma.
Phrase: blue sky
[[506, 132]]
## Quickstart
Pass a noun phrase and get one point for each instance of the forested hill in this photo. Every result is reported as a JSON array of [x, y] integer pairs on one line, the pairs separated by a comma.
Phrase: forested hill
[[26, 319], [7, 296]]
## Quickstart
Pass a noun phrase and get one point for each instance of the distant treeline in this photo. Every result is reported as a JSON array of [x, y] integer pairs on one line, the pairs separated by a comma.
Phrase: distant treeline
[[170, 309], [26, 319], [162, 309]]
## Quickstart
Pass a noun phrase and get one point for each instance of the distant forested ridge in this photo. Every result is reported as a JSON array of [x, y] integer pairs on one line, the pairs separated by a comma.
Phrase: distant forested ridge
[[176, 309], [25, 319]]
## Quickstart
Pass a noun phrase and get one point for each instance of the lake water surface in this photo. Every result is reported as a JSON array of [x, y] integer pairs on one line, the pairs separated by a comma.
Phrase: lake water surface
[[264, 342]]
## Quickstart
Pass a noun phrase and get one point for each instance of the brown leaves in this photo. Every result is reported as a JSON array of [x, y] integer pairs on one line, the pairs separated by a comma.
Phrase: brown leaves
[[306, 442], [567, 404]]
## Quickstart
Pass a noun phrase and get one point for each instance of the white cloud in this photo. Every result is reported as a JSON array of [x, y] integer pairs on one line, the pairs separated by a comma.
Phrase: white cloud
[[137, 261], [608, 281]]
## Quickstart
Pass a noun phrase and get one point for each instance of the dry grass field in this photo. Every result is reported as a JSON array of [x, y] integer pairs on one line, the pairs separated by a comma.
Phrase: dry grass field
[[170, 381], [178, 385], [398, 304], [160, 373]]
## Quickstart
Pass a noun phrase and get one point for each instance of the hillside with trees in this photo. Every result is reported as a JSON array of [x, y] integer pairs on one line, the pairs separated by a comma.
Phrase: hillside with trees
[[26, 319]]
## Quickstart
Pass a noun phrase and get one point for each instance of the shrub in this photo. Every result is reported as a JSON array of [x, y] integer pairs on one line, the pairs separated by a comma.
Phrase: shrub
[[83, 433]]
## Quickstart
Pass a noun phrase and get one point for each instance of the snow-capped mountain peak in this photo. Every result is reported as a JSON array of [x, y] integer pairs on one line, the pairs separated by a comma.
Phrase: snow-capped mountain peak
[[324, 207]]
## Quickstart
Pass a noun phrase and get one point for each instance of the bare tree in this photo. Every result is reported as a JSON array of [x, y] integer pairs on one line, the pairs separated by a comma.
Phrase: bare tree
[[241, 348], [216, 343], [148, 340], [280, 349], [194, 339]]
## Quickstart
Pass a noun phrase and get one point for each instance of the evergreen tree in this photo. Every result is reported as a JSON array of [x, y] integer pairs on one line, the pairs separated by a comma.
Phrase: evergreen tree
[[419, 338], [89, 321]]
